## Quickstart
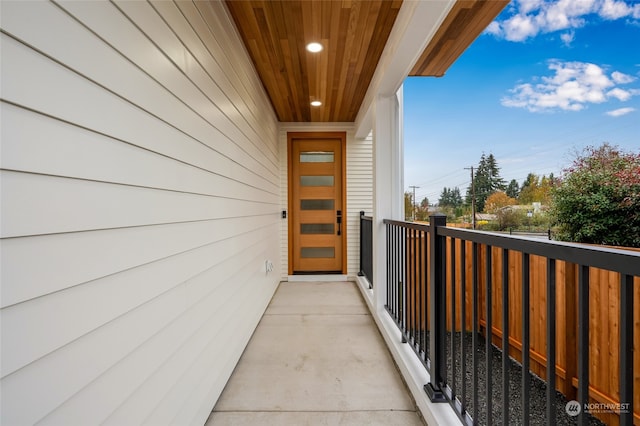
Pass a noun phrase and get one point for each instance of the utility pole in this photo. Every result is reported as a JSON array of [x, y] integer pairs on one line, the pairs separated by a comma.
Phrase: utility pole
[[473, 198], [413, 215]]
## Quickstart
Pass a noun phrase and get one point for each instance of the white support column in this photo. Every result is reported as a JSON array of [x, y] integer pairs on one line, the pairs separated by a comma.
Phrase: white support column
[[399, 157], [388, 199]]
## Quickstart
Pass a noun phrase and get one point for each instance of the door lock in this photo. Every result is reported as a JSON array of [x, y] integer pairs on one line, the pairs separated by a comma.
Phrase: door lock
[[339, 219]]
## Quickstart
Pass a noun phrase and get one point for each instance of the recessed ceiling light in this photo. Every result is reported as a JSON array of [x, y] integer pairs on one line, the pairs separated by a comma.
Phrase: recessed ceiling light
[[314, 47], [316, 103]]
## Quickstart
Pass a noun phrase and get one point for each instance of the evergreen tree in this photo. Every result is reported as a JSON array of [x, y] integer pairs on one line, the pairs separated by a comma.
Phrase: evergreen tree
[[487, 180], [495, 181], [513, 190], [450, 197]]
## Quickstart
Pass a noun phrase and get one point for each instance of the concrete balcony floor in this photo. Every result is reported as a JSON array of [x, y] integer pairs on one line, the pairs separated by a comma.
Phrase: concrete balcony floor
[[316, 358]]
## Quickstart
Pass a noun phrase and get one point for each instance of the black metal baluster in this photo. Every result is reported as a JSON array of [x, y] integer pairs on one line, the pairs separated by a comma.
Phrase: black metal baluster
[[394, 274], [425, 294], [525, 338], [409, 271], [489, 334], [463, 325], [420, 286], [394, 277], [397, 280], [402, 238], [391, 298], [505, 337], [390, 260], [474, 331], [583, 342], [626, 350], [452, 258], [414, 290], [551, 341]]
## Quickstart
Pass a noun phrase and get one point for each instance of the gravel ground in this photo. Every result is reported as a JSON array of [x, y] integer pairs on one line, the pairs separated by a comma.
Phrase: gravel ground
[[537, 389]]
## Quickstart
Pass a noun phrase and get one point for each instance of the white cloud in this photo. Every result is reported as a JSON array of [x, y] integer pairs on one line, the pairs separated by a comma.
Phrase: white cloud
[[494, 28], [568, 37], [572, 87], [612, 9], [519, 28], [621, 78], [527, 6], [620, 94], [620, 111], [532, 17]]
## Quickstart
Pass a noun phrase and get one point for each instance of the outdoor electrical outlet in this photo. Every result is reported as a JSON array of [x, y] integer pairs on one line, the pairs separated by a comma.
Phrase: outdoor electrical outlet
[[268, 266]]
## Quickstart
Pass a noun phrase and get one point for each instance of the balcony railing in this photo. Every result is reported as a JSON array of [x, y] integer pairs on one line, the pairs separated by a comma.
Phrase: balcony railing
[[480, 308]]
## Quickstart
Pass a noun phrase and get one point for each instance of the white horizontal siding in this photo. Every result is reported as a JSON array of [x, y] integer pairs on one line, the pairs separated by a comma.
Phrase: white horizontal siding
[[359, 195], [140, 199], [284, 196], [40, 204]]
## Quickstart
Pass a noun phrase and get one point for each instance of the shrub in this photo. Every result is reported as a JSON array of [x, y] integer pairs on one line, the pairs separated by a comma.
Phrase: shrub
[[598, 199]]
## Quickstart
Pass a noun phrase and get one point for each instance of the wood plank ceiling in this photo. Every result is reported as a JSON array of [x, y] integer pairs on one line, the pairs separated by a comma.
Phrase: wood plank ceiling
[[353, 34]]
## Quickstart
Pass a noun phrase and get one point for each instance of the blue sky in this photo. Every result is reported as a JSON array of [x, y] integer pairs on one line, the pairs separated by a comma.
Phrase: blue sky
[[545, 80]]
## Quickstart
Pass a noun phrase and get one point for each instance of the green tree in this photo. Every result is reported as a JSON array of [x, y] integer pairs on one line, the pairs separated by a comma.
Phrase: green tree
[[487, 180], [536, 189], [495, 181], [422, 210], [450, 197], [598, 199], [528, 188], [513, 190]]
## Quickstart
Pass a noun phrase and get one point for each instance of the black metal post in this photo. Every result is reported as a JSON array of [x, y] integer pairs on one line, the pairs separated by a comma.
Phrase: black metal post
[[437, 311]]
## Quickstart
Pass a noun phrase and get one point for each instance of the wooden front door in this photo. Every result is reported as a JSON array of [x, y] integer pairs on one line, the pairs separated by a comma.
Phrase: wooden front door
[[317, 228]]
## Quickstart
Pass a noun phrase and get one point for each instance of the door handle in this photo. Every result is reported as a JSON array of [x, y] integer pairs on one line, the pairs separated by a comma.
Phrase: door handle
[[339, 219]]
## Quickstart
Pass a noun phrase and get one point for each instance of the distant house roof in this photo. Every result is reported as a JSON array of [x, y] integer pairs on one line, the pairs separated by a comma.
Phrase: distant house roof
[[535, 207], [486, 216]]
